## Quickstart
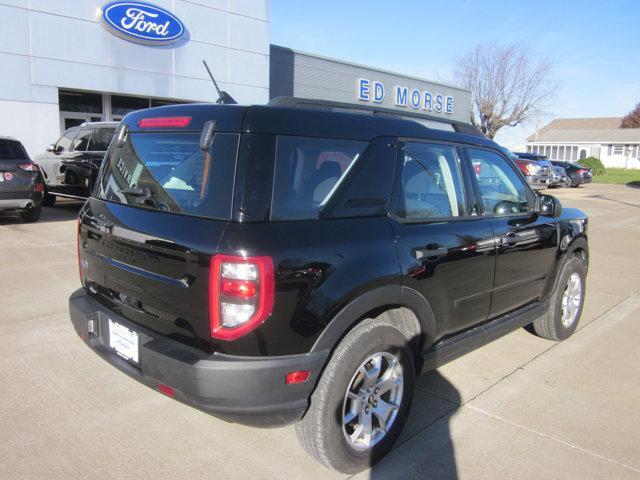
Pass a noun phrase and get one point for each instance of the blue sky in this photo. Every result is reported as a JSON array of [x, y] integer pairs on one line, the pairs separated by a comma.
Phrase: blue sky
[[594, 45]]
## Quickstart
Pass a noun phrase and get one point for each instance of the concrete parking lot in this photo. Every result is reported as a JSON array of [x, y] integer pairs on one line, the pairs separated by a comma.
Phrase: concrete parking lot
[[522, 407]]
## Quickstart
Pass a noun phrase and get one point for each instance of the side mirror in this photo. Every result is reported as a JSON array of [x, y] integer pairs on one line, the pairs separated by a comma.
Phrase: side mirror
[[549, 206], [51, 148]]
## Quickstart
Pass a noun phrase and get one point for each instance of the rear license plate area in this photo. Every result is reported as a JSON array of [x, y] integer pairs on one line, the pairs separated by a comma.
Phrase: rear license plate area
[[124, 341]]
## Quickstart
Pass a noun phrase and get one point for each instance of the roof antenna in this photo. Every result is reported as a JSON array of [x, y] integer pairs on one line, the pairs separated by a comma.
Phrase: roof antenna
[[223, 97]]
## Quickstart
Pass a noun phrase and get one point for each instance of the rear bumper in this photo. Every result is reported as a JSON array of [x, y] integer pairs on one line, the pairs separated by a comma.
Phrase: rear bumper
[[248, 390], [20, 200]]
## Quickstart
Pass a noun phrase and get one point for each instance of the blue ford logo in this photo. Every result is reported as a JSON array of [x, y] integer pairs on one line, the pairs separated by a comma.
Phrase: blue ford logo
[[141, 22]]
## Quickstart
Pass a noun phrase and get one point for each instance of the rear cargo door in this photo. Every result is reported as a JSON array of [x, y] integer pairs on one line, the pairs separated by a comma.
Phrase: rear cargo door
[[159, 210], [12, 177]]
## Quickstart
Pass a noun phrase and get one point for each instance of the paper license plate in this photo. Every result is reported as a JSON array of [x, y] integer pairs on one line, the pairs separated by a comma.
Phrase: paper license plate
[[124, 341]]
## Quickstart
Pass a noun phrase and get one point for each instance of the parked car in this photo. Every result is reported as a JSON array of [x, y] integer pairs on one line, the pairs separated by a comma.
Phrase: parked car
[[275, 265], [576, 173], [559, 177], [537, 168], [70, 165], [21, 185]]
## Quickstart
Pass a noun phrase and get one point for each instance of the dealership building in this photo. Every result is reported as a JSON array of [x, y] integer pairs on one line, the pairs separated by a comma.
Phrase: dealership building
[[67, 62]]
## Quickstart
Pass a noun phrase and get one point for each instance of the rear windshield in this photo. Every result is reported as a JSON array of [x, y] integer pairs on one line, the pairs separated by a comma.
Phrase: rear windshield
[[168, 171], [10, 150]]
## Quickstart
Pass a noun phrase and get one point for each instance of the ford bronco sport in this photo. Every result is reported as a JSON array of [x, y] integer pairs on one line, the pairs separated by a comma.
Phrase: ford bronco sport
[[272, 265]]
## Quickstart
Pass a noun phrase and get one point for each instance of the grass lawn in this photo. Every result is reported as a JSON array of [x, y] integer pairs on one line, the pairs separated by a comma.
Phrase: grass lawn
[[618, 175]]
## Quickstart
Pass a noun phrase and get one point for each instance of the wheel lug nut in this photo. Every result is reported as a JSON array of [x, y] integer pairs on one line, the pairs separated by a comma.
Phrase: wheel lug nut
[[375, 404], [376, 391], [366, 410]]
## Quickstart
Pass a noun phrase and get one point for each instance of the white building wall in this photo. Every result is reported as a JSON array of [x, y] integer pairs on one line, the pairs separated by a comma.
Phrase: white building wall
[[625, 160], [50, 44], [630, 158]]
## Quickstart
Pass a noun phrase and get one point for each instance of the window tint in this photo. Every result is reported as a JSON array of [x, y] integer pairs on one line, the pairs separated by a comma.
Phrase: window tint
[[431, 186], [101, 139], [81, 142], [10, 150], [174, 174], [502, 191], [64, 143], [308, 172]]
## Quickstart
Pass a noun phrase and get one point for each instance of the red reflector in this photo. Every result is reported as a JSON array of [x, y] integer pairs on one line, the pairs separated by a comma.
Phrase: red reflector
[[163, 122], [166, 389], [238, 288], [8, 176], [300, 376], [38, 188]]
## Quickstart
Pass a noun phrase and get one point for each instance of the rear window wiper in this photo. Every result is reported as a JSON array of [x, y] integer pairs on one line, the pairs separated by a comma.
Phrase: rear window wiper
[[145, 194], [135, 191]]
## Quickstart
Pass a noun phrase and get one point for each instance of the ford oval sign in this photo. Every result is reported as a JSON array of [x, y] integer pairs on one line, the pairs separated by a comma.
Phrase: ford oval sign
[[141, 22]]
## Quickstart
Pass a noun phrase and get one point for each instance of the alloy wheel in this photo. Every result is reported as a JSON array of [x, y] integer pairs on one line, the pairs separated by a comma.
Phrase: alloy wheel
[[571, 299], [372, 400]]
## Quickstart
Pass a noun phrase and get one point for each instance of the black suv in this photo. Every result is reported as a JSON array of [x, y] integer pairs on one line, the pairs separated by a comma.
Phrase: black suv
[[274, 265], [70, 166]]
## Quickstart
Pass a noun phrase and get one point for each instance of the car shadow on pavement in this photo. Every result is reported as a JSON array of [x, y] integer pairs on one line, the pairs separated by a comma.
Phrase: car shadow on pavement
[[61, 212], [425, 449]]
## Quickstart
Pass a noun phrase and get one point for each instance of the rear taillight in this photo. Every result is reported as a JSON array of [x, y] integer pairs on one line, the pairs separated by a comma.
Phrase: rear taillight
[[522, 166], [28, 167], [38, 187], [78, 247], [240, 294], [582, 171], [164, 122]]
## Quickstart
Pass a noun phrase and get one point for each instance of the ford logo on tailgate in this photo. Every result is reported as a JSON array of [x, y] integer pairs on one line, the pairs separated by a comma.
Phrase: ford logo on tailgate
[[141, 22]]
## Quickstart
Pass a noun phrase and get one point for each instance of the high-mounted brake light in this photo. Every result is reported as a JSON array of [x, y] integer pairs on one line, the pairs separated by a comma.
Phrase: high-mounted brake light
[[164, 122], [241, 294]]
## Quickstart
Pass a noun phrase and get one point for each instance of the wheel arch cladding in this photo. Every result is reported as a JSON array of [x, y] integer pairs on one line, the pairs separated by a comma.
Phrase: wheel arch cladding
[[400, 307]]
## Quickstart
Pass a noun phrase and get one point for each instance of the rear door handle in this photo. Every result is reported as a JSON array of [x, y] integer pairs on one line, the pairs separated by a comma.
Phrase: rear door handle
[[432, 252]]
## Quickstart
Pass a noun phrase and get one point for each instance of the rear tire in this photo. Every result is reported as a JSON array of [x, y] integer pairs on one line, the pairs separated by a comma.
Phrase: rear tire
[[31, 215], [48, 200], [565, 303], [347, 402]]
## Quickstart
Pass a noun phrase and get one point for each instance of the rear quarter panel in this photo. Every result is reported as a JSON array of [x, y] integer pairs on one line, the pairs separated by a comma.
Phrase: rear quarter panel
[[320, 266]]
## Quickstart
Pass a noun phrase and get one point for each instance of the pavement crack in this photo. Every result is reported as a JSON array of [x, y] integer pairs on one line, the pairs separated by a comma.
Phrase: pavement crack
[[540, 434]]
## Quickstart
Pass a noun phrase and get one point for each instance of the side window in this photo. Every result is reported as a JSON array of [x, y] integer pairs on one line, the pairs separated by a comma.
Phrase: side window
[[101, 139], [502, 191], [431, 185], [81, 142], [307, 173], [64, 143]]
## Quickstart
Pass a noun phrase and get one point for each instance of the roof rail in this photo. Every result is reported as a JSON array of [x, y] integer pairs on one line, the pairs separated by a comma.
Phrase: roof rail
[[425, 119]]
